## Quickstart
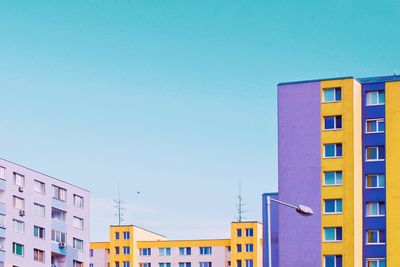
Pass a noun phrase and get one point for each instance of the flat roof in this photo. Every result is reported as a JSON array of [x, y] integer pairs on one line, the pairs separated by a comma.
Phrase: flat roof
[[376, 79]]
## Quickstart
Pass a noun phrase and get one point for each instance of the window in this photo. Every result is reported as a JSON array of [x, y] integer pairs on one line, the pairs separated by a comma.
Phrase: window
[[205, 251], [18, 249], [239, 232], [333, 261], [116, 250], [375, 98], [239, 263], [375, 181], [333, 206], [145, 264], [376, 237], [19, 179], [39, 187], [59, 193], [91, 252], [165, 251], [126, 264], [2, 221], [127, 250], [116, 264], [249, 263], [333, 178], [39, 210], [2, 241], [77, 223], [38, 232], [2, 173], [185, 251], [127, 235], [376, 209], [77, 264], [145, 251], [375, 153], [333, 94], [249, 247], [333, 234], [92, 265], [19, 203], [375, 126], [376, 263], [205, 264], [78, 244], [38, 255], [58, 215], [58, 236], [239, 247], [164, 264], [185, 264], [332, 150], [19, 226], [332, 122], [78, 201], [117, 235], [249, 232]]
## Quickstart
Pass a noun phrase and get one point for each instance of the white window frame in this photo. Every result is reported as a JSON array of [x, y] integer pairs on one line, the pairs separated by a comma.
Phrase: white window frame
[[14, 249], [377, 97], [377, 177], [22, 201], [379, 235], [332, 256], [58, 236], [19, 179], [378, 203], [249, 232], [41, 186], [335, 240], [76, 243], [2, 172], [62, 213], [40, 230], [335, 128], [79, 201], [336, 152], [38, 208], [335, 184], [249, 247], [335, 99], [375, 260], [336, 206], [77, 222], [373, 160], [19, 226], [377, 125], [59, 193], [39, 255]]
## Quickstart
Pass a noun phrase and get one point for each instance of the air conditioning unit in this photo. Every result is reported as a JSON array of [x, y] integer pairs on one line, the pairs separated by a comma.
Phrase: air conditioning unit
[[61, 245], [21, 189], [21, 212]]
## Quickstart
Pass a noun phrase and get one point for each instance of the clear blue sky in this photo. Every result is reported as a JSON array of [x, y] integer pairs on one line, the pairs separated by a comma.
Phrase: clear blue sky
[[175, 99]]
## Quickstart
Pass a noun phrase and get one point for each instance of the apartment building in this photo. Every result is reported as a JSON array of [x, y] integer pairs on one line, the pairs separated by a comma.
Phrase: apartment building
[[132, 246], [43, 221], [339, 153]]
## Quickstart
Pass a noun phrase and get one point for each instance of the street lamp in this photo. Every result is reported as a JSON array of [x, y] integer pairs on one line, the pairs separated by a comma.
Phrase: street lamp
[[300, 209]]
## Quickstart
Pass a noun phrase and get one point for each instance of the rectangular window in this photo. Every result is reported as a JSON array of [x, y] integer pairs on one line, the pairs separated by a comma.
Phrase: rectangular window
[[333, 206], [19, 179], [145, 251], [77, 223], [376, 262], [127, 250], [164, 264], [127, 236], [333, 122], [375, 209], [91, 252], [19, 226], [77, 264], [332, 94], [205, 264], [165, 251], [78, 244], [375, 126], [2, 221], [239, 232], [58, 214], [58, 236], [117, 250], [333, 261], [249, 263], [376, 237], [249, 232], [145, 264], [78, 201], [375, 181], [332, 234], [332, 150], [2, 173], [375, 98], [333, 178], [38, 255], [375, 153], [249, 247], [18, 249], [19, 203], [116, 264], [126, 264], [239, 263], [39, 210], [205, 251], [239, 247], [59, 193], [38, 232], [185, 251], [185, 264], [117, 235], [39, 187]]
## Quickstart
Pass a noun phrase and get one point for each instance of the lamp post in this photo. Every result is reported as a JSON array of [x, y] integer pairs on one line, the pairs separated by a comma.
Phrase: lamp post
[[300, 209]]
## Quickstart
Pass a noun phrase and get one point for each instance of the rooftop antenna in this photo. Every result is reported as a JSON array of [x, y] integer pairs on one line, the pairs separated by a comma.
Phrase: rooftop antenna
[[240, 204], [118, 205]]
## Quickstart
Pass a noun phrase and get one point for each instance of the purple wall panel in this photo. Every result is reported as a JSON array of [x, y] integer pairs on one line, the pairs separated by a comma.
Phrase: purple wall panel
[[299, 173]]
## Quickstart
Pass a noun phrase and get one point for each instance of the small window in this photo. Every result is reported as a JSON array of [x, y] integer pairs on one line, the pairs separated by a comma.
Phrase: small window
[[91, 252], [127, 250], [77, 264], [249, 248], [78, 201], [19, 226], [18, 249], [249, 232], [332, 234], [126, 264], [39, 210], [185, 264], [117, 235], [375, 181], [58, 236], [77, 223], [58, 214], [145, 251], [38, 232], [165, 264], [38, 255], [19, 203], [333, 261], [375, 126], [332, 122], [117, 250], [127, 236], [249, 263], [59, 193], [239, 263], [333, 206], [146, 264], [2, 172], [19, 179], [375, 153], [239, 247], [205, 264], [333, 178], [78, 244], [165, 251], [185, 251], [239, 232], [376, 237], [39, 187], [375, 209], [332, 150], [376, 262], [375, 98], [332, 94], [205, 251]]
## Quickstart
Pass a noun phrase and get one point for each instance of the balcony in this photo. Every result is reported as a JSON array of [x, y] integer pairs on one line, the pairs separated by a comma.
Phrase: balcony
[[58, 249]]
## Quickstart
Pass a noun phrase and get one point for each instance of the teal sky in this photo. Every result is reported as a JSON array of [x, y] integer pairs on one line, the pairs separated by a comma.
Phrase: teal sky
[[175, 99]]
